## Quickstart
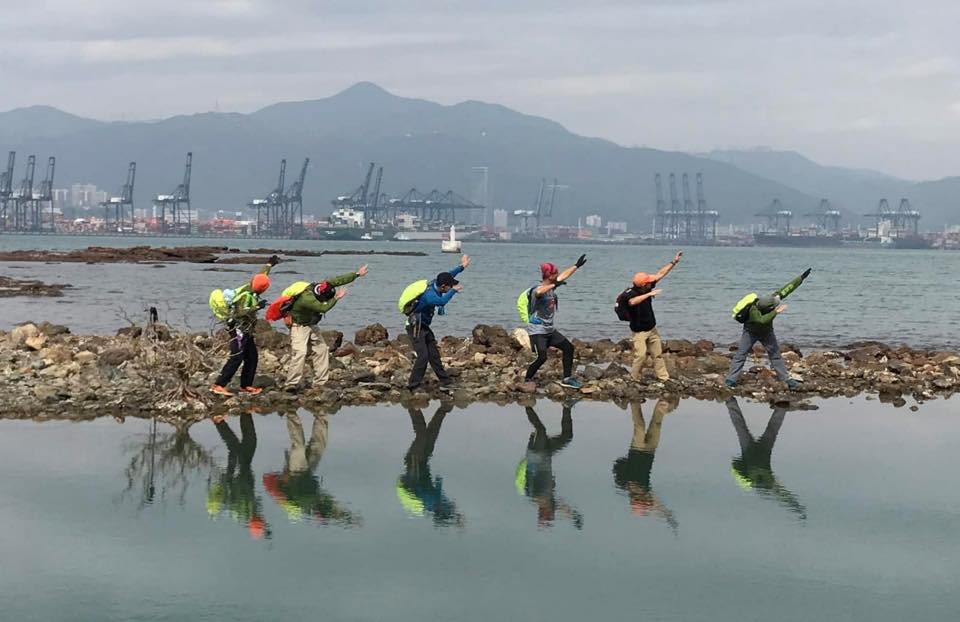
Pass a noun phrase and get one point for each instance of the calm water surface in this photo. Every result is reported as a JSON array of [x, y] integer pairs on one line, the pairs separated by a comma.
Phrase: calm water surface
[[895, 296], [696, 511]]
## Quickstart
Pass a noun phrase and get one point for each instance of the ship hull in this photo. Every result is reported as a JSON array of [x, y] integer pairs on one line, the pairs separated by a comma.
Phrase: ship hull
[[797, 241]]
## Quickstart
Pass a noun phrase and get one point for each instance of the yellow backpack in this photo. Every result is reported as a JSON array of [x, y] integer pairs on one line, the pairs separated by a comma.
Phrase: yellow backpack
[[741, 310]]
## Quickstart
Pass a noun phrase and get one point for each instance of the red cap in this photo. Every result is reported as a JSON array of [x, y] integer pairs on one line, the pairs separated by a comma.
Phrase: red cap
[[642, 278], [548, 269]]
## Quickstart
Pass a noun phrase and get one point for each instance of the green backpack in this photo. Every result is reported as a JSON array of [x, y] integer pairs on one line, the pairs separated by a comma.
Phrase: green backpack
[[741, 310], [524, 303], [411, 296]]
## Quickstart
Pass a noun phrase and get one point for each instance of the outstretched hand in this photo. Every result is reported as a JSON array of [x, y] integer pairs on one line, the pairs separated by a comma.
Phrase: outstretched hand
[[581, 260], [805, 274], [655, 292], [464, 261], [676, 259], [340, 293], [781, 309], [362, 271], [457, 288]]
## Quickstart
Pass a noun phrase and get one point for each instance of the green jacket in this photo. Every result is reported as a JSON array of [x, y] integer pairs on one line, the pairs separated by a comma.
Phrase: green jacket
[[243, 312], [760, 322], [307, 310]]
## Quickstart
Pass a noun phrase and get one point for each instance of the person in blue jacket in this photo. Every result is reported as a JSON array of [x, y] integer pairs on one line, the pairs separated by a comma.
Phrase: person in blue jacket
[[438, 293]]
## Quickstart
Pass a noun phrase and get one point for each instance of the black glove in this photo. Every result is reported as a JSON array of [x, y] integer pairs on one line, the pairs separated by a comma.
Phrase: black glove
[[261, 303], [559, 283], [805, 274], [274, 260], [582, 260]]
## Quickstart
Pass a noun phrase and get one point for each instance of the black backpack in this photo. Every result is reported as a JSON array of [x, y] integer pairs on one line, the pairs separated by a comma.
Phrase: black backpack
[[622, 306]]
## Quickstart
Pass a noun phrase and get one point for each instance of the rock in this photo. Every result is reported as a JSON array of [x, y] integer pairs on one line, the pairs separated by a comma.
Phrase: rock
[[85, 357], [333, 339], [682, 347], [371, 335], [35, 342], [21, 333], [133, 332], [115, 356], [943, 383], [53, 330], [615, 370], [592, 372]]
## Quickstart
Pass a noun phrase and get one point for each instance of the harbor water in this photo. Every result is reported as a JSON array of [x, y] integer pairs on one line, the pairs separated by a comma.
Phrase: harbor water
[[658, 511], [907, 297]]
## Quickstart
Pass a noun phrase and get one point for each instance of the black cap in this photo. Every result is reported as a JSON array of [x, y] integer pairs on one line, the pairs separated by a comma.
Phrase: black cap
[[446, 279]]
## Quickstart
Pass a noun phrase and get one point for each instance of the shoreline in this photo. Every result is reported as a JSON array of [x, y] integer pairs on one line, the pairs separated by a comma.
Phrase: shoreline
[[151, 371]]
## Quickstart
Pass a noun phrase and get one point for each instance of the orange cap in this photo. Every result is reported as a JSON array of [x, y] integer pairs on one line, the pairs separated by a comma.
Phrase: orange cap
[[642, 278], [260, 283]]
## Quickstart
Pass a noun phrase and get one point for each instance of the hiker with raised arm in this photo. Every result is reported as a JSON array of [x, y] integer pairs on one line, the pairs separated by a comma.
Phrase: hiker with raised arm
[[419, 302], [635, 305], [237, 309], [302, 307], [538, 308], [757, 314]]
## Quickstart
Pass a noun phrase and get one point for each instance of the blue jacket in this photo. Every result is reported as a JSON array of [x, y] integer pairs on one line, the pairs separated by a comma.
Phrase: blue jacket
[[432, 298]]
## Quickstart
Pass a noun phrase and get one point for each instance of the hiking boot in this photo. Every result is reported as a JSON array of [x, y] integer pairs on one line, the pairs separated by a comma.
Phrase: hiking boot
[[793, 385], [730, 383], [571, 383], [252, 390], [220, 390]]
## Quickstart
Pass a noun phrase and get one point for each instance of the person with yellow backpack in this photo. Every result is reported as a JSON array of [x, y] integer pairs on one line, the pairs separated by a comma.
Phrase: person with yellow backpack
[[757, 313], [418, 302], [306, 304], [237, 309]]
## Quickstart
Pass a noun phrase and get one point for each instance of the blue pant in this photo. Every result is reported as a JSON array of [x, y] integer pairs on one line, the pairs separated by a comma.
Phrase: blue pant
[[769, 342]]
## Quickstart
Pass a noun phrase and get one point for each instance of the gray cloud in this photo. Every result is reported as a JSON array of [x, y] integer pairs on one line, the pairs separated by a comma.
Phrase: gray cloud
[[862, 83]]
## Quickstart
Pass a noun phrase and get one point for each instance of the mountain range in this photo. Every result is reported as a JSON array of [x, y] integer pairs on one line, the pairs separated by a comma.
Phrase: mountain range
[[427, 145]]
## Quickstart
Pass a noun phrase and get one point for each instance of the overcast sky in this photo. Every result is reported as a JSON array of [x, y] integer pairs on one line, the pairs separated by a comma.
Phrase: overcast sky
[[872, 84]]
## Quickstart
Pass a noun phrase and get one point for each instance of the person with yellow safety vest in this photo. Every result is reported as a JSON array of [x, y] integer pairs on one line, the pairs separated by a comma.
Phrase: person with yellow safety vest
[[534, 475], [297, 489], [232, 491], [752, 469], [631, 473], [419, 491], [306, 312]]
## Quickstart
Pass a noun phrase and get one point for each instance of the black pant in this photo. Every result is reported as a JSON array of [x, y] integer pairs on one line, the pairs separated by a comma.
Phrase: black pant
[[425, 345], [542, 343], [243, 351]]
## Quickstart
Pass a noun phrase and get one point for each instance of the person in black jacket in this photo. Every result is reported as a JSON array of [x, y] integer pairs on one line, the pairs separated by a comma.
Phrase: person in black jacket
[[643, 323]]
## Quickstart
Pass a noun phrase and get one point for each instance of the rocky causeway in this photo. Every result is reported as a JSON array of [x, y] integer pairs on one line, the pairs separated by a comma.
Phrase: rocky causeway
[[47, 372]]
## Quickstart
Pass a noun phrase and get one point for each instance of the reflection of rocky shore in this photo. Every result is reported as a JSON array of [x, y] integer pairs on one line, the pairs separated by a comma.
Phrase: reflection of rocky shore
[[10, 287], [45, 371], [188, 254]]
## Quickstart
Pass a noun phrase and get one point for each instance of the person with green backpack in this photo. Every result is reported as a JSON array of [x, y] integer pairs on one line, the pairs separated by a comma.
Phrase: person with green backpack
[[757, 313], [237, 309], [306, 308], [418, 302], [538, 308]]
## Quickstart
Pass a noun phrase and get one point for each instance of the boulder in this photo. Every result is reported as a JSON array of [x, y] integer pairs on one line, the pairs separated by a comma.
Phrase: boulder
[[20, 334], [53, 330], [333, 339], [133, 332], [85, 357], [615, 370], [115, 356], [36, 342], [371, 335]]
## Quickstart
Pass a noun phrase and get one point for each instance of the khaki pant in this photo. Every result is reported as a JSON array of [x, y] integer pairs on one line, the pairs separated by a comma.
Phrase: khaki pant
[[303, 339], [646, 342], [648, 438], [304, 456]]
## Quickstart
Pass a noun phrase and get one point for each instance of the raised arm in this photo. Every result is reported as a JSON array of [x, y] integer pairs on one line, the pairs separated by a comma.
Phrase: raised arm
[[664, 271], [787, 289], [638, 299], [562, 277]]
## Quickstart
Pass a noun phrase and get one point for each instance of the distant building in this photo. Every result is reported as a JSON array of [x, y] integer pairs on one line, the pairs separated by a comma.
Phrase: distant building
[[616, 227], [594, 221], [500, 219]]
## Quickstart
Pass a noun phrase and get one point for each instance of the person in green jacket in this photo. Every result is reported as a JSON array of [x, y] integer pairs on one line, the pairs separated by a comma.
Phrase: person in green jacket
[[759, 327], [307, 311]]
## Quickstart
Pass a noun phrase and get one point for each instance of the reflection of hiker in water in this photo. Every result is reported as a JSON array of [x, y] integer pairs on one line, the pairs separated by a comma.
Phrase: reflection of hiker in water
[[535, 477], [418, 490], [233, 489], [631, 473], [297, 489], [752, 469]]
